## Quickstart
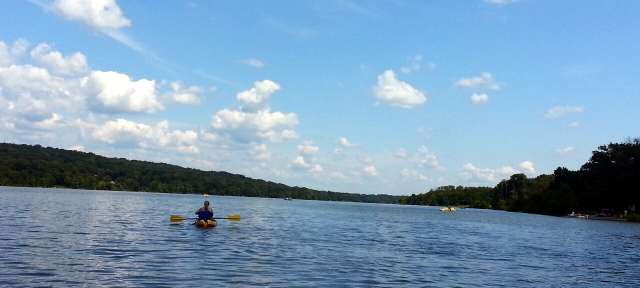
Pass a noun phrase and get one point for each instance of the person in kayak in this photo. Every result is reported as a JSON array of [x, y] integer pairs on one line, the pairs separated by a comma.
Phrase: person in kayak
[[205, 215]]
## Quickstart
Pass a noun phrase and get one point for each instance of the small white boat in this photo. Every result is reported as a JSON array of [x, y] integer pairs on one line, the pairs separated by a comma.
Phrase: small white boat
[[448, 209]]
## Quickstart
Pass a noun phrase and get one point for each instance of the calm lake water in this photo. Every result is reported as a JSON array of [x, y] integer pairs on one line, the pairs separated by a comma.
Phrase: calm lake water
[[58, 237]]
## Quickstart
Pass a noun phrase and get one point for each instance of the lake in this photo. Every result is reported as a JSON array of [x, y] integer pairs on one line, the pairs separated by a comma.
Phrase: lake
[[62, 238]]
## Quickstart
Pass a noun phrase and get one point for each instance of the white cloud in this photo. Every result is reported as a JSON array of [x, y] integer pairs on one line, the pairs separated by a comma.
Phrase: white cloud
[[5, 55], [258, 94], [77, 147], [184, 95], [57, 63], [397, 93], [344, 142], [256, 63], [117, 92], [485, 174], [483, 81], [527, 167], [413, 174], [209, 137], [304, 161], [249, 126], [33, 92], [574, 124], [494, 175], [50, 123], [370, 170], [255, 121], [424, 157], [146, 136], [300, 163], [479, 98], [99, 14], [307, 148], [500, 2], [104, 16], [560, 111], [260, 152], [565, 150], [9, 54]]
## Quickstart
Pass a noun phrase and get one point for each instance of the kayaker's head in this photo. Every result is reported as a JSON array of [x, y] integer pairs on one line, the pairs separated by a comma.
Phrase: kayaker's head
[[206, 204]]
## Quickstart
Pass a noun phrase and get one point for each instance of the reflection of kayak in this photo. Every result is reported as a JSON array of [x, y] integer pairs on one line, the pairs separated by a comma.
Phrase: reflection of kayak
[[206, 224]]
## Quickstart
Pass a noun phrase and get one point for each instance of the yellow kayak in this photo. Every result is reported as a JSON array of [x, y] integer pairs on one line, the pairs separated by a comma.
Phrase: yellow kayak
[[206, 224]]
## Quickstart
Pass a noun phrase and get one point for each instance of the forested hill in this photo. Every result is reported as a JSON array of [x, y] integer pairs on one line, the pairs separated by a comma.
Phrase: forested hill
[[37, 166], [609, 183]]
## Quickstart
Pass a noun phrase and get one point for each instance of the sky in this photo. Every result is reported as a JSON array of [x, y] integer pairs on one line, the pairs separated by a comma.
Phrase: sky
[[393, 96]]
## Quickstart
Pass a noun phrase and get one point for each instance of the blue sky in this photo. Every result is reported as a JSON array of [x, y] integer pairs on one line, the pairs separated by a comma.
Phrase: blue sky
[[358, 96]]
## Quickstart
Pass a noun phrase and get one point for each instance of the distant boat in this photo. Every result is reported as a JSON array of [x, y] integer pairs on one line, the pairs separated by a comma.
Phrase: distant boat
[[287, 198], [448, 209]]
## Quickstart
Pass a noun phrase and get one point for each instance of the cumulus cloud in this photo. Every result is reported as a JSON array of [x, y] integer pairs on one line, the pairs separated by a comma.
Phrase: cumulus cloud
[[103, 16], [184, 95], [33, 92], [561, 111], [146, 136], [57, 63], [304, 161], [263, 124], [397, 93], [479, 98], [483, 81], [527, 167], [49, 81], [300, 162], [9, 54], [117, 92], [492, 175], [307, 148], [257, 96], [370, 170], [255, 63], [99, 14], [259, 122]]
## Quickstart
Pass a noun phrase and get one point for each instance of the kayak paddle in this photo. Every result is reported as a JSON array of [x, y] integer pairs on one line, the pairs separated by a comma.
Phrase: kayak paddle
[[180, 218]]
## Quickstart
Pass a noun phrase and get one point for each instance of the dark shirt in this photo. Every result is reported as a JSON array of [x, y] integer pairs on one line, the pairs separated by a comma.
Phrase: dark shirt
[[205, 214]]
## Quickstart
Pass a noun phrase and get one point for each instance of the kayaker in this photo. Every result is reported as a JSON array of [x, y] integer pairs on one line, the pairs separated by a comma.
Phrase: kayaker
[[205, 214]]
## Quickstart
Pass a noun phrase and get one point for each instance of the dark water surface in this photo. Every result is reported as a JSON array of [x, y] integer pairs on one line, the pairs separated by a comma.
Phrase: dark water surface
[[62, 238]]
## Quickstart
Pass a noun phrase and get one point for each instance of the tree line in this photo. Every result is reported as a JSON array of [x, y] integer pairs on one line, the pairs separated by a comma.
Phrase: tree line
[[608, 181], [37, 166]]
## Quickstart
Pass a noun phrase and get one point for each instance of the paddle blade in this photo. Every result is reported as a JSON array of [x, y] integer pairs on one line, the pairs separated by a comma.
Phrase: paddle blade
[[177, 218], [233, 217]]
